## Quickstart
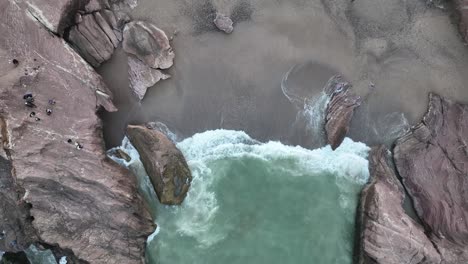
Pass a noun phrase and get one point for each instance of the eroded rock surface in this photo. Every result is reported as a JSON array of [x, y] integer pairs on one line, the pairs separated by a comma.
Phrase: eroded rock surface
[[223, 23], [149, 44], [462, 7], [388, 235], [164, 163], [340, 110], [77, 199], [94, 36], [141, 76], [432, 159]]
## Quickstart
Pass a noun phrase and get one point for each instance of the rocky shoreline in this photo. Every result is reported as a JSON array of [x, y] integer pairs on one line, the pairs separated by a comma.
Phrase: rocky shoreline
[[59, 191]]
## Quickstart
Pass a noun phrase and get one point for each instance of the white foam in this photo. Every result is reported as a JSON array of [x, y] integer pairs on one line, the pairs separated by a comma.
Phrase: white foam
[[347, 163], [195, 217]]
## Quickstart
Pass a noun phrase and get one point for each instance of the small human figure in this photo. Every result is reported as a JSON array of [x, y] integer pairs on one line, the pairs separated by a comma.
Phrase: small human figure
[[78, 145], [48, 111], [32, 114], [29, 104], [27, 96], [51, 101], [38, 119]]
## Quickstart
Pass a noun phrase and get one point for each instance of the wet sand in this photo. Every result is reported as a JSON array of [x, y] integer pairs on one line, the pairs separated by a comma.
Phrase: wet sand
[[405, 48]]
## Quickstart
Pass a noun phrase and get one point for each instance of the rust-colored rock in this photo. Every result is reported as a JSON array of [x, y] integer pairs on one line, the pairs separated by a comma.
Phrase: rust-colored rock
[[340, 110], [432, 159], [388, 235], [149, 44], [164, 163], [76, 199]]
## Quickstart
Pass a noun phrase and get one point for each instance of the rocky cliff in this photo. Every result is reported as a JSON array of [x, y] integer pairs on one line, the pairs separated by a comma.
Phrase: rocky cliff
[[432, 160], [58, 187], [389, 235]]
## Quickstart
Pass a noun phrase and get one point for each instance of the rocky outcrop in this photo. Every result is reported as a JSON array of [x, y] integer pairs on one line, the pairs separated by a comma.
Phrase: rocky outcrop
[[340, 110], [95, 34], [149, 44], [142, 77], [462, 8], [388, 235], [432, 160], [53, 14], [164, 163], [54, 168], [223, 23]]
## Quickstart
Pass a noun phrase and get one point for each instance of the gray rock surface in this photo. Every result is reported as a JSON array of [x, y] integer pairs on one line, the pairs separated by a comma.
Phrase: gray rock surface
[[142, 77], [340, 110], [164, 163], [432, 160], [75, 199], [223, 23], [388, 235], [149, 44]]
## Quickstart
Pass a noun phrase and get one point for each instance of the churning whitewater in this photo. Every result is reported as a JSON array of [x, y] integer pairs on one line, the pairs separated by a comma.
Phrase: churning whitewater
[[253, 202]]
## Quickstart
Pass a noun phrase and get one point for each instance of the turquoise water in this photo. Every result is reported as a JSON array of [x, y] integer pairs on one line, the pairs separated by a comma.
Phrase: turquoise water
[[253, 202]]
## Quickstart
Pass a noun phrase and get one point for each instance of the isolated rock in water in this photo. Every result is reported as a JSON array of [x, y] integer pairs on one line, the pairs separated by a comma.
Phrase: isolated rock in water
[[432, 160], [94, 38], [340, 110], [164, 163], [223, 23], [388, 235], [76, 200], [148, 43], [142, 76], [462, 8]]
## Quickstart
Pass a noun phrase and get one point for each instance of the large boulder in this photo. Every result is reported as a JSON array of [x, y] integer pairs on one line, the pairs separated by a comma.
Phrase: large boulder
[[340, 110], [141, 76], [73, 197], [432, 160], [94, 37], [388, 235], [149, 44], [164, 163]]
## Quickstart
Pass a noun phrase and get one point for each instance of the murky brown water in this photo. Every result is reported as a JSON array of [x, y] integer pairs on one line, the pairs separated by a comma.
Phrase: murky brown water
[[405, 48]]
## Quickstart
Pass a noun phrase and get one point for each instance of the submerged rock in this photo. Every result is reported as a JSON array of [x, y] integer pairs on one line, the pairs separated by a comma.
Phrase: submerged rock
[[432, 160], [74, 199], [164, 163], [149, 44], [388, 235], [223, 23], [142, 77], [340, 110]]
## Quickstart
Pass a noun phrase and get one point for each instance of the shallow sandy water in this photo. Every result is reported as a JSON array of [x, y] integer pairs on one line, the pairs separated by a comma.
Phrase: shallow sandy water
[[405, 48]]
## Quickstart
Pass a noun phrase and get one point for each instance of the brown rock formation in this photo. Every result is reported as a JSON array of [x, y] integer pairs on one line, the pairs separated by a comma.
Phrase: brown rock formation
[[388, 235], [149, 44], [163, 162], [75, 199], [432, 159], [462, 8], [94, 36], [340, 110], [142, 77]]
